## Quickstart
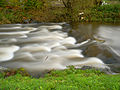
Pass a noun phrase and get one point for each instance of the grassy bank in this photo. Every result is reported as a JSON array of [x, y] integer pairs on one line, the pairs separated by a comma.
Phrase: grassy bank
[[45, 11], [72, 79]]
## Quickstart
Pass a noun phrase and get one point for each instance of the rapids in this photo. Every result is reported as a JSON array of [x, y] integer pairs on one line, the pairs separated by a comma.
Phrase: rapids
[[40, 48]]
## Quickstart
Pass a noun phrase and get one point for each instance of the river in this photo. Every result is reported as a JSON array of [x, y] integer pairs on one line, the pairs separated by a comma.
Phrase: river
[[42, 47]]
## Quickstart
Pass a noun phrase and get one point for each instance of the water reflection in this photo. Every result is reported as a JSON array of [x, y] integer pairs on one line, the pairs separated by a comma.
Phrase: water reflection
[[106, 45]]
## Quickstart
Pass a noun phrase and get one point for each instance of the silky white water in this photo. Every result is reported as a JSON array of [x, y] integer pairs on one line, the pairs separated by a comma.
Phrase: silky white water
[[41, 48], [112, 35]]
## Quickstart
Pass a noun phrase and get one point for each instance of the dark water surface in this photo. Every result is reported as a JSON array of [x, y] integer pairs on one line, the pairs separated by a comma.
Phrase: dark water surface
[[104, 42], [42, 47]]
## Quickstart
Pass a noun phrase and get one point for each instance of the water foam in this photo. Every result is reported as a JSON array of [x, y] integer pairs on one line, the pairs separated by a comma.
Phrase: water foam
[[44, 49], [7, 52]]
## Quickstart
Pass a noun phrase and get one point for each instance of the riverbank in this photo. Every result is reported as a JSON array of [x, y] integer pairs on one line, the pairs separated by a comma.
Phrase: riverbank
[[47, 13], [68, 79]]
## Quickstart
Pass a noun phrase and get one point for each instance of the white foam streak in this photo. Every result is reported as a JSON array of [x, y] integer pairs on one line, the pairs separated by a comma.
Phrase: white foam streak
[[35, 49], [7, 53], [12, 33], [52, 27], [69, 42], [82, 43]]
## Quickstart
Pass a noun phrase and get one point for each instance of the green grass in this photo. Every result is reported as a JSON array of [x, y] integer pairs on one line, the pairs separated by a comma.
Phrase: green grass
[[69, 79]]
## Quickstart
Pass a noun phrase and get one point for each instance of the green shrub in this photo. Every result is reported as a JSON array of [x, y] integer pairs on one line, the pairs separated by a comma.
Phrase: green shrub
[[2, 3], [105, 13], [109, 8], [33, 4]]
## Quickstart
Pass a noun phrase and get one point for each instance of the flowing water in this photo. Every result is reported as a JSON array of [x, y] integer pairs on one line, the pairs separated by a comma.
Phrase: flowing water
[[42, 47]]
